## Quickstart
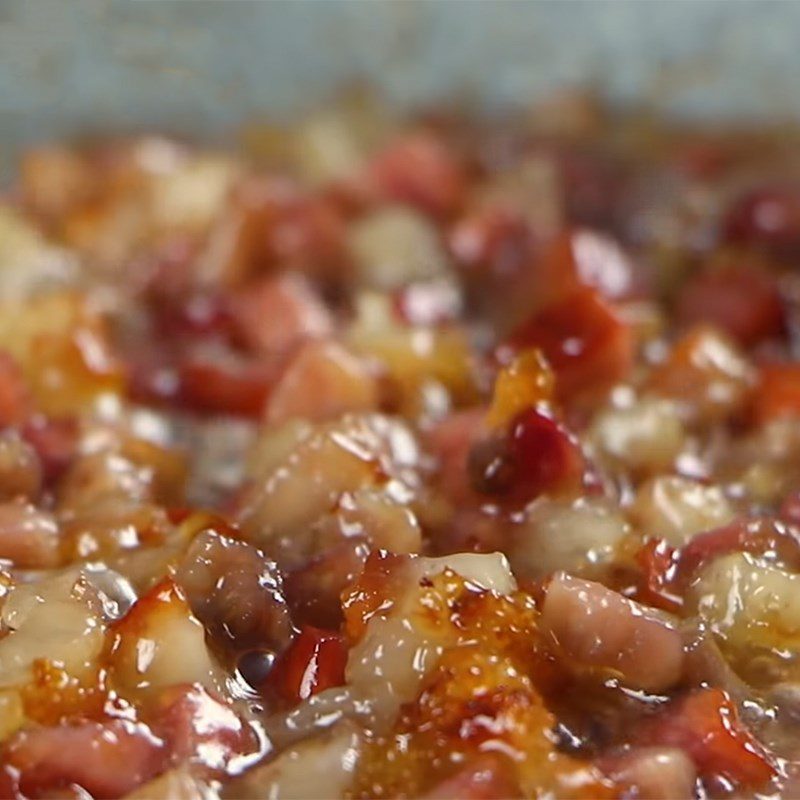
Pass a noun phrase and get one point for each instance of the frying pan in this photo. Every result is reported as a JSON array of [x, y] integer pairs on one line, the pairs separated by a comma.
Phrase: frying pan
[[201, 68]]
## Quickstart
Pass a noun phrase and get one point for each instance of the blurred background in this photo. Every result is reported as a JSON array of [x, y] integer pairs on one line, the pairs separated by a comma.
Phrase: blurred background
[[200, 68]]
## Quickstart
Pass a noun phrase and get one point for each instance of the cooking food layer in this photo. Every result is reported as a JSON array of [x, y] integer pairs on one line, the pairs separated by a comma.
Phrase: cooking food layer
[[433, 457]]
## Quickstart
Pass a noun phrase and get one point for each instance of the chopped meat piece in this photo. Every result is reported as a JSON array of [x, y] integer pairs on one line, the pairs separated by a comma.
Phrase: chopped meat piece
[[706, 725], [235, 591], [199, 728], [107, 760], [29, 538], [587, 343], [600, 628], [322, 382], [277, 313]]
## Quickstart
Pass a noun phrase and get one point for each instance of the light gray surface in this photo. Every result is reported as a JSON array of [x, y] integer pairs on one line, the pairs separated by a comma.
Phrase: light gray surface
[[200, 67]]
